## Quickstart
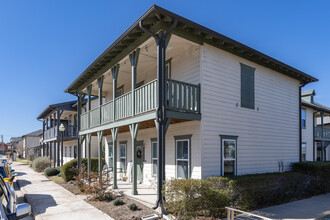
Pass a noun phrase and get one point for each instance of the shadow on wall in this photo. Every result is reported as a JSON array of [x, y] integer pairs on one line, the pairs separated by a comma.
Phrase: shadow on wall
[[42, 201]]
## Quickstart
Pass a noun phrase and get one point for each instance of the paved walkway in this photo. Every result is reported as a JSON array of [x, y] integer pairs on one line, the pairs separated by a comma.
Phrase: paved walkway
[[312, 208], [51, 201]]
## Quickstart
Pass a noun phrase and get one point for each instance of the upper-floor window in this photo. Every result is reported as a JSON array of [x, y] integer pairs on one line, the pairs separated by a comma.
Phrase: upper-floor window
[[168, 68], [247, 86], [303, 118], [120, 91]]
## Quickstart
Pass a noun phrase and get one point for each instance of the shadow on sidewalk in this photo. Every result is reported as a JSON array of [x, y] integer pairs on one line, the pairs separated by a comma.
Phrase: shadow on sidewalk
[[20, 173], [41, 201], [23, 183]]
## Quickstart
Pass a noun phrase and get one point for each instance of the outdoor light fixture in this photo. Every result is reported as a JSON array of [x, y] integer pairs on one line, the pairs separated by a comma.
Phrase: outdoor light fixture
[[61, 128]]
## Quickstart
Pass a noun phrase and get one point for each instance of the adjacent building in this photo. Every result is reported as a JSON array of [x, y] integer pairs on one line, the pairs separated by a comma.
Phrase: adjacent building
[[315, 128], [53, 117], [31, 143], [178, 100]]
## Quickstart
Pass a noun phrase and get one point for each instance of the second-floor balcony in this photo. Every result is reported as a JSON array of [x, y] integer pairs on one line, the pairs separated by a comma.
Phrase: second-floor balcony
[[181, 97], [69, 133], [322, 136]]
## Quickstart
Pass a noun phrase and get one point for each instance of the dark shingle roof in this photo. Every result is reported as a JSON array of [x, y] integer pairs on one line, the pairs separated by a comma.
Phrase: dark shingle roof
[[34, 133], [50, 108], [316, 106]]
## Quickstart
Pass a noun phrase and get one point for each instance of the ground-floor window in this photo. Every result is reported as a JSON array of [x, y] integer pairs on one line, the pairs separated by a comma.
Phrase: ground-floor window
[[122, 156], [110, 148], [154, 155], [303, 151], [229, 155], [70, 151], [65, 151], [182, 156]]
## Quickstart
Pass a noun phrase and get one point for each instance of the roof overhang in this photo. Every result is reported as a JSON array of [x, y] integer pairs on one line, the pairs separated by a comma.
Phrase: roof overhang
[[69, 106], [156, 19], [316, 106]]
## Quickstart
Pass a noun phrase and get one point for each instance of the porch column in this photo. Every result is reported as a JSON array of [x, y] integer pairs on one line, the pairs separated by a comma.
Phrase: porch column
[[162, 39], [114, 72], [80, 100], [322, 136], [99, 151], [134, 57], [134, 131], [114, 134], [59, 145], [88, 142], [89, 91]]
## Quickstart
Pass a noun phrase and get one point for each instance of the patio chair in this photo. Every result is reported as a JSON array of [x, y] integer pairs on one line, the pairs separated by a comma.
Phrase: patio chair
[[152, 180]]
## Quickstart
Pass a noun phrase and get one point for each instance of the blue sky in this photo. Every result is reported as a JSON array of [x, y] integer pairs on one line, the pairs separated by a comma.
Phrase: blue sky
[[45, 45]]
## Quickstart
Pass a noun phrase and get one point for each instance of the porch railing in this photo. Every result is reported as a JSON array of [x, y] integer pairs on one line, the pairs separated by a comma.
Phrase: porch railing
[[70, 131], [318, 133], [181, 96]]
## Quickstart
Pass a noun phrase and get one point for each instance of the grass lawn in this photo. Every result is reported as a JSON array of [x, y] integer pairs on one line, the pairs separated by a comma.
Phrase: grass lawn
[[23, 161], [56, 179]]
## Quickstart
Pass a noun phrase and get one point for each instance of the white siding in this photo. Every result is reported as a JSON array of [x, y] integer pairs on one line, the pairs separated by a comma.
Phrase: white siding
[[67, 145], [266, 135], [307, 133], [145, 135]]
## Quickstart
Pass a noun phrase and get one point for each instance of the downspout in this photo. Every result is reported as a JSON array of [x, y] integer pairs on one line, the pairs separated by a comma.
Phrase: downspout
[[161, 41]]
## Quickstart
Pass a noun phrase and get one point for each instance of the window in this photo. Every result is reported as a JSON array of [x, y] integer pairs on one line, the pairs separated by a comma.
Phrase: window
[[70, 149], [247, 86], [110, 147], [182, 145], [139, 84], [75, 151], [303, 118], [154, 155], [303, 151], [229, 154], [65, 152], [168, 68], [120, 91], [122, 155]]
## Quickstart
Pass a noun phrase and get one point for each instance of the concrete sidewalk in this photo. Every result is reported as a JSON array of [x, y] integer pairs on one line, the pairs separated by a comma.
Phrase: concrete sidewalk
[[312, 208], [51, 201]]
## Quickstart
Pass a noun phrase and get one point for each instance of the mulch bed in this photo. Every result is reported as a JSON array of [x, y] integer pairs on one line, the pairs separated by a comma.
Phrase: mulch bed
[[121, 212]]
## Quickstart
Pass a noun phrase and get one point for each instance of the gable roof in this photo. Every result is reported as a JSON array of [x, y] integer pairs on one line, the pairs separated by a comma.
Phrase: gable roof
[[36, 133], [316, 106], [63, 105], [157, 18], [308, 92]]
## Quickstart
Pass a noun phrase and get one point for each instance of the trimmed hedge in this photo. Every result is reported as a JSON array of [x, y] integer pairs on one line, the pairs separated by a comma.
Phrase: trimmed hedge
[[51, 171], [194, 197], [40, 164], [69, 169]]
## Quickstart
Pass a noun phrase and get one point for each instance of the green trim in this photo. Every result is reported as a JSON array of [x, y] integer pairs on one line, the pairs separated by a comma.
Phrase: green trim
[[232, 137], [183, 115], [178, 138]]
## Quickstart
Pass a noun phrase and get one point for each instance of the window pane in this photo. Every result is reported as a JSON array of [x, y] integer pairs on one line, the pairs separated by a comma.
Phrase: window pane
[[247, 86], [303, 113], [154, 167], [110, 150], [122, 150], [123, 165], [229, 150], [182, 169], [110, 162], [229, 167], [182, 150], [154, 150]]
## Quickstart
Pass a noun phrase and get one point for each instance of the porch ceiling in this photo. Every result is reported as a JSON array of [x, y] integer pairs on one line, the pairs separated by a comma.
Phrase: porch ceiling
[[157, 18]]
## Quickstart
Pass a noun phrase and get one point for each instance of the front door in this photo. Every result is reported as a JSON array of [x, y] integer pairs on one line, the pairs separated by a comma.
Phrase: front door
[[139, 160]]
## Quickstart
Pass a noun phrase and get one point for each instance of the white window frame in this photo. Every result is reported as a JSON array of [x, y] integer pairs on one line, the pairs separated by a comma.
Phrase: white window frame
[[153, 158], [176, 157], [110, 145], [120, 157], [223, 156]]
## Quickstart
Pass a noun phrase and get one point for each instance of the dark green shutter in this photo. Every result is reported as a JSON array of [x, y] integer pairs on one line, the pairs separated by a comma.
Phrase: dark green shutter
[[247, 86]]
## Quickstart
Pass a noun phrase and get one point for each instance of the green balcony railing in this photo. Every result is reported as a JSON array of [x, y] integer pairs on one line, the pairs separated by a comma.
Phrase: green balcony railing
[[180, 96]]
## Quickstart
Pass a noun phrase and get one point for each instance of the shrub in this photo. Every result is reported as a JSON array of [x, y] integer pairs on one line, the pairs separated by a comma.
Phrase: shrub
[[133, 207], [31, 157], [50, 171], [69, 169], [40, 164], [118, 202], [193, 197]]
